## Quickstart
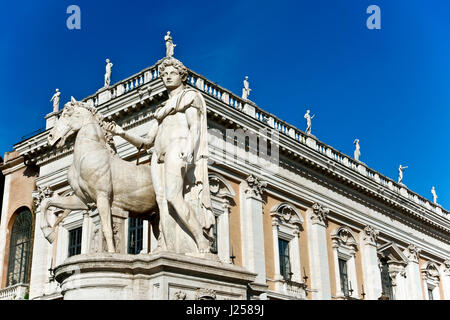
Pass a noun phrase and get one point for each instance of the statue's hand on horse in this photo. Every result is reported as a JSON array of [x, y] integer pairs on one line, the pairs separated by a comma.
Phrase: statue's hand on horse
[[114, 128]]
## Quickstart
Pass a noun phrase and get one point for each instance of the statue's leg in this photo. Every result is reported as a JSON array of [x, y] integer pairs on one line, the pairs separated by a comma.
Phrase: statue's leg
[[158, 185], [104, 210], [174, 178], [69, 203]]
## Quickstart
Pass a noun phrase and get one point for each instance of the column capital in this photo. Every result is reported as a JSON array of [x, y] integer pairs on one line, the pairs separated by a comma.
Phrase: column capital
[[446, 267], [370, 235], [412, 253], [255, 187], [319, 214]]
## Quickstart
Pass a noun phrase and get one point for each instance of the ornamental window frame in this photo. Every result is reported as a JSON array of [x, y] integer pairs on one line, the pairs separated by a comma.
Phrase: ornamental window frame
[[345, 246], [286, 225], [431, 280], [222, 195], [397, 262]]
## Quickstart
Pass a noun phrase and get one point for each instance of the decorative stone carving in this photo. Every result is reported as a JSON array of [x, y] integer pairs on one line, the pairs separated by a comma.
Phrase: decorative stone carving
[[178, 134], [205, 294], [400, 173], [370, 235], [286, 214], [412, 253], [446, 267], [343, 237], [101, 175], [319, 214], [108, 73], [41, 194], [169, 45], [308, 118], [246, 90], [431, 272], [357, 152], [255, 186], [55, 99], [179, 295], [433, 192]]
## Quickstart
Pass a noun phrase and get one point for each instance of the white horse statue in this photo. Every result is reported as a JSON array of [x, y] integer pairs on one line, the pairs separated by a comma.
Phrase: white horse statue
[[98, 176]]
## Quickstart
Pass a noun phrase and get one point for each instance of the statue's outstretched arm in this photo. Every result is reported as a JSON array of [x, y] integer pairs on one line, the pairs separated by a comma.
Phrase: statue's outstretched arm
[[135, 140]]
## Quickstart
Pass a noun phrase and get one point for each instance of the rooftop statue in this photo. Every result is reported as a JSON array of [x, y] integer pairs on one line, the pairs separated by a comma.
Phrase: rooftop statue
[[169, 45], [400, 173], [108, 73], [433, 192], [357, 152], [308, 118], [246, 90], [97, 175], [55, 99], [179, 168]]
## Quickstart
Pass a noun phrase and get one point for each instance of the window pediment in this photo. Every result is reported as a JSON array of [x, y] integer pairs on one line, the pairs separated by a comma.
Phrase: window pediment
[[393, 254], [286, 214], [344, 238]]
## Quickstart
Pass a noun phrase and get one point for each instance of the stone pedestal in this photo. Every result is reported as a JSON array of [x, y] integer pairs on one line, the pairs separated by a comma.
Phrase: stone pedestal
[[158, 276]]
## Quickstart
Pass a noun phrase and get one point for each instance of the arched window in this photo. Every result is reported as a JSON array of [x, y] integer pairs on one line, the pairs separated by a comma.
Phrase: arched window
[[19, 248]]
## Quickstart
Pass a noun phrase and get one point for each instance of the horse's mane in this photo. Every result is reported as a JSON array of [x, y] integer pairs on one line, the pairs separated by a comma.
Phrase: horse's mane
[[102, 123]]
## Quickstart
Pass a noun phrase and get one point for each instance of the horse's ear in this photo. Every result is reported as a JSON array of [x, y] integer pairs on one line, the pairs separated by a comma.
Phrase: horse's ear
[[72, 99]]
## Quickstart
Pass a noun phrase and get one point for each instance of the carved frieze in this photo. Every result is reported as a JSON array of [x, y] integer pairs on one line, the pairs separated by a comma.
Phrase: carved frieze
[[205, 294], [179, 295]]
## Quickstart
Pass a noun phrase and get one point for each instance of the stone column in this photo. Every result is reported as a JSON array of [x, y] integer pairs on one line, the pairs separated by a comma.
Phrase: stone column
[[85, 233], [224, 229], [252, 228], [42, 255], [318, 252], [371, 270], [276, 250], [413, 281], [296, 267], [446, 279]]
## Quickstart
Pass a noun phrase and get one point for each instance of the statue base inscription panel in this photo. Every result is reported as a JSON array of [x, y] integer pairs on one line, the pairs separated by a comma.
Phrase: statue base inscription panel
[[158, 276]]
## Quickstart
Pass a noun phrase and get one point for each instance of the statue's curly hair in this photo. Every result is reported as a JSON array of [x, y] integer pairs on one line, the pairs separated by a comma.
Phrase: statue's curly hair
[[177, 64]]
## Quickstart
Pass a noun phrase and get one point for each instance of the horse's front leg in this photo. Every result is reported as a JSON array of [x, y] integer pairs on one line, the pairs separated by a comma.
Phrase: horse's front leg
[[68, 203], [104, 210]]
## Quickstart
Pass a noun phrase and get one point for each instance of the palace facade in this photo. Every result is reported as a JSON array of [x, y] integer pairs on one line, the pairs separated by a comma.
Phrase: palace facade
[[307, 220]]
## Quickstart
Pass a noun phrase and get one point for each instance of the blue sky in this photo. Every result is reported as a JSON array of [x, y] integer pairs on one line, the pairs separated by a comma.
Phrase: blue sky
[[389, 88]]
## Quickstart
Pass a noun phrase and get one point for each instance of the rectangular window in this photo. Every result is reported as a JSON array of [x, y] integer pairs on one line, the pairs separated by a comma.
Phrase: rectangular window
[[285, 264], [75, 241], [135, 235], [386, 281], [430, 294], [343, 276]]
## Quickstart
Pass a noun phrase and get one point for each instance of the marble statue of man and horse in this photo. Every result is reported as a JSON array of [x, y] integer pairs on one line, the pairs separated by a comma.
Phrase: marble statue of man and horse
[[174, 185]]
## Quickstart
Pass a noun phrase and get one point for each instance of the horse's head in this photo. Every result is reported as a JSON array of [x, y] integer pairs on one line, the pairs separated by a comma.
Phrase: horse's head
[[71, 120]]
